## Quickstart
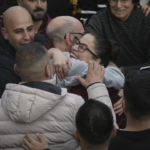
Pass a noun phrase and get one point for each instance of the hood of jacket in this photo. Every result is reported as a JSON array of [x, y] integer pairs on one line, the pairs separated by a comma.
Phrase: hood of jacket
[[26, 103]]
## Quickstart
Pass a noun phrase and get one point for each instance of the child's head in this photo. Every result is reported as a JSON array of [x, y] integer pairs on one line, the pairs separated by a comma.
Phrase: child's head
[[137, 95], [94, 123], [32, 63]]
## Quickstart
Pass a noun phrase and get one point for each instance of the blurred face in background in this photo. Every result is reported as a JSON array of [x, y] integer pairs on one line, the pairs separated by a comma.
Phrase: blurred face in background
[[121, 8], [37, 8]]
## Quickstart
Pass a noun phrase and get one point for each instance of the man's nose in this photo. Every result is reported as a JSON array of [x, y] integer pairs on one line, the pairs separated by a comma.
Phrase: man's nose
[[39, 4], [26, 36]]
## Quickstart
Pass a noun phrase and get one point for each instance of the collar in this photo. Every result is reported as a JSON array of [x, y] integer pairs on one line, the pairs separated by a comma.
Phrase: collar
[[43, 85], [45, 23]]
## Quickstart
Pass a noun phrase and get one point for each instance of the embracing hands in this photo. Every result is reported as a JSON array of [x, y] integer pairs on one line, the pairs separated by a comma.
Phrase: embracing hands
[[95, 74], [61, 63]]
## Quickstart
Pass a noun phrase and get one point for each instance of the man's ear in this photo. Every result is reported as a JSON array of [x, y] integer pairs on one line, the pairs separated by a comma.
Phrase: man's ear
[[113, 132], [5, 34], [68, 39], [77, 136], [15, 69], [19, 2], [48, 71]]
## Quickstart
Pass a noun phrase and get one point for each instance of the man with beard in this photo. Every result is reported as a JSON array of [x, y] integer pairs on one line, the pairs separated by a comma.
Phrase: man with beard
[[38, 11]]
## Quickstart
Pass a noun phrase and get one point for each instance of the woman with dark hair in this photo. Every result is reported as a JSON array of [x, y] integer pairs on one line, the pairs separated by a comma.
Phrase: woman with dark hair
[[124, 22], [92, 47]]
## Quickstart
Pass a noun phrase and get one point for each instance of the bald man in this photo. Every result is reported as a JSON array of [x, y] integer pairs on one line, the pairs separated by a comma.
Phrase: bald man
[[38, 12], [62, 30], [18, 30]]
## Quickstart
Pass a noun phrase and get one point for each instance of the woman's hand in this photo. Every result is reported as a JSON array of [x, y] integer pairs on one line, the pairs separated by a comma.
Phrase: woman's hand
[[145, 9], [95, 74], [61, 63], [118, 107], [30, 143]]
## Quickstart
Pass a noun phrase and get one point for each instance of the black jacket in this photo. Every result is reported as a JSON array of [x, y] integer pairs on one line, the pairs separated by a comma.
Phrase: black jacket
[[7, 61]]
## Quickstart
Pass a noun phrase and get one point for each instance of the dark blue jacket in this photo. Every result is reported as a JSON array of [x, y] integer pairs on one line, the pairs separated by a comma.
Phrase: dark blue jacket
[[7, 61]]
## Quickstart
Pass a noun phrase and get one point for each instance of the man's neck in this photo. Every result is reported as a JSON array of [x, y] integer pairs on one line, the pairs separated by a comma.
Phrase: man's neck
[[37, 25], [35, 80], [104, 147], [137, 125]]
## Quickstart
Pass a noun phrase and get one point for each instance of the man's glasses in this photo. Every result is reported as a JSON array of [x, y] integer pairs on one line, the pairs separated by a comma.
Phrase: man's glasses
[[114, 2], [75, 33], [82, 47]]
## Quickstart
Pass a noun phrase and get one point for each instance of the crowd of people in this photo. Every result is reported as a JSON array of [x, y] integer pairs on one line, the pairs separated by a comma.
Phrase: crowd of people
[[74, 79]]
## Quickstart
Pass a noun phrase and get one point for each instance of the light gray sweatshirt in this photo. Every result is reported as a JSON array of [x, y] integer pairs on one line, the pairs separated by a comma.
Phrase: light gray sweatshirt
[[113, 77]]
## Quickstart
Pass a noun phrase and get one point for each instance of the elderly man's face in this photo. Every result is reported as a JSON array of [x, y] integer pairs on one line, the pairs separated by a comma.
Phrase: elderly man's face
[[37, 8], [19, 32], [121, 8]]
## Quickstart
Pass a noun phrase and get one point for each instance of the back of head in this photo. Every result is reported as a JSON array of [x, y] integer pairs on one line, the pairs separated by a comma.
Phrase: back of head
[[31, 61], [137, 94], [94, 122], [60, 26], [106, 50]]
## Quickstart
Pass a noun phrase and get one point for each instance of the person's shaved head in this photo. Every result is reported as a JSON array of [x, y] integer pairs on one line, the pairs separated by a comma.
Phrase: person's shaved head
[[18, 26], [14, 14], [60, 26], [32, 61]]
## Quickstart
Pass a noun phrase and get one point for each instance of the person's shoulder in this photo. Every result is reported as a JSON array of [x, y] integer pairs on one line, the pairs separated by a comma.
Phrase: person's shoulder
[[41, 39], [142, 15], [103, 11], [73, 100], [128, 140]]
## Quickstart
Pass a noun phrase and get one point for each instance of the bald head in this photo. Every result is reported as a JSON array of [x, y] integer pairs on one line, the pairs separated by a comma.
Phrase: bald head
[[18, 27], [62, 25], [15, 14]]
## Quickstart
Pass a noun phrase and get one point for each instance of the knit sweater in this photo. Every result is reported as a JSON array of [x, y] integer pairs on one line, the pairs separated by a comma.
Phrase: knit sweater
[[133, 36]]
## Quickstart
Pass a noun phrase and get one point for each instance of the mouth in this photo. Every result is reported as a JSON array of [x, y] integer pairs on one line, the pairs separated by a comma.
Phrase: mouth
[[39, 11], [24, 44], [73, 55], [119, 11]]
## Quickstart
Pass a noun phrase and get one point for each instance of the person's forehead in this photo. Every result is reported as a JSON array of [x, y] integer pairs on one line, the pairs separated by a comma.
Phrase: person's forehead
[[21, 22], [87, 39]]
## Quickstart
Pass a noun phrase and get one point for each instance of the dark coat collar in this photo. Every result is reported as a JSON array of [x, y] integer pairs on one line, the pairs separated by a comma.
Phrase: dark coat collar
[[44, 86]]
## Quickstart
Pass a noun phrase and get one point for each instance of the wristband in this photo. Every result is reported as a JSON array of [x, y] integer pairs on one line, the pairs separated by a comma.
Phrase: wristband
[[92, 84]]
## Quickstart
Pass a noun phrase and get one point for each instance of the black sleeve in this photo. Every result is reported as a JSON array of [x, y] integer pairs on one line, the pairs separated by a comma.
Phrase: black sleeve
[[126, 69], [7, 73], [94, 25]]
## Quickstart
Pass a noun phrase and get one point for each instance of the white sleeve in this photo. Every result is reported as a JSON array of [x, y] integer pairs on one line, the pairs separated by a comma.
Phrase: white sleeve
[[99, 92]]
